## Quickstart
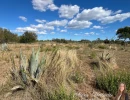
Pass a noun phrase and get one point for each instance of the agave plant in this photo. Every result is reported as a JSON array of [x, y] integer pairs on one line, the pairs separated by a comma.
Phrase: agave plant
[[31, 71], [35, 66]]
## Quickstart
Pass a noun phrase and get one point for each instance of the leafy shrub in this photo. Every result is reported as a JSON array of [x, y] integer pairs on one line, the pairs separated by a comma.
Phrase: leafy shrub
[[7, 36], [28, 37], [109, 80]]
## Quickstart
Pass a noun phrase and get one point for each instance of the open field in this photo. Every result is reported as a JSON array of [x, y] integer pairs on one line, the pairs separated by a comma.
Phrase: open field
[[72, 69]]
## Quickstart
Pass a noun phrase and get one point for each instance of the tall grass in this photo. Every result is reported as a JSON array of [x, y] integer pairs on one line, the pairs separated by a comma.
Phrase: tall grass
[[43, 78], [61, 94], [105, 61], [59, 66], [109, 80]]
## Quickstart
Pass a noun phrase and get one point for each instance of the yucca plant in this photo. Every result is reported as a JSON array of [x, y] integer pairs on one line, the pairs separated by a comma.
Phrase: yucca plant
[[29, 73]]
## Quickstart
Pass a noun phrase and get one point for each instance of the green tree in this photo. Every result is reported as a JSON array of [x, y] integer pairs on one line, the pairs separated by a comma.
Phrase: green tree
[[7, 36], [123, 33], [28, 37]]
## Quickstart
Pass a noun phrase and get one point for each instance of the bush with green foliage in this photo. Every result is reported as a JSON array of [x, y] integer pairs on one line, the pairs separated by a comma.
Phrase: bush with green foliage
[[7, 36], [109, 80], [61, 40], [28, 37]]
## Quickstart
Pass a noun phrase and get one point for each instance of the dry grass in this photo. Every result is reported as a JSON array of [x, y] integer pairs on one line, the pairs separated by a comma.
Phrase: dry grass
[[63, 61], [59, 66]]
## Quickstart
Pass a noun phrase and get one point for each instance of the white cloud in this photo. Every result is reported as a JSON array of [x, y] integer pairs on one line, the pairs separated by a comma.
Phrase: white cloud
[[97, 27], [102, 31], [57, 23], [43, 27], [30, 29], [105, 16], [74, 24], [91, 33], [118, 11], [117, 17], [23, 18], [43, 5], [23, 29], [41, 32], [38, 26], [93, 14], [40, 21], [63, 31], [58, 29], [52, 32], [68, 11], [76, 34], [52, 7]]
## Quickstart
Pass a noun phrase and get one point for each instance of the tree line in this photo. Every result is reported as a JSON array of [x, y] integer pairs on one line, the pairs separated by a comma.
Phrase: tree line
[[6, 36]]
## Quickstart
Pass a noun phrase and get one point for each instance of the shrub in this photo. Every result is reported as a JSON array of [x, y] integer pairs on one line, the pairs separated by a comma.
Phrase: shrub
[[7, 36], [28, 37], [109, 80]]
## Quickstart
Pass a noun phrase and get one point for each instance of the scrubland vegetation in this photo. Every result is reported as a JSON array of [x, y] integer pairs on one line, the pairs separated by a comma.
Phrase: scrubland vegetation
[[63, 69]]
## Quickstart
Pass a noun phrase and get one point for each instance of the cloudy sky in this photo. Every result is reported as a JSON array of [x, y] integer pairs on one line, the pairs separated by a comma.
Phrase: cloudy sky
[[69, 19]]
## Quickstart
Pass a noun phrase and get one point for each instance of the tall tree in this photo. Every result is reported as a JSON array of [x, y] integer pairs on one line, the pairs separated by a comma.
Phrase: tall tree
[[7, 36], [28, 37], [123, 33]]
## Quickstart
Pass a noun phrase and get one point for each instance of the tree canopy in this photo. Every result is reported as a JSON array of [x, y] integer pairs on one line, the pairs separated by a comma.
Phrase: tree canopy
[[7, 36], [28, 37], [123, 33]]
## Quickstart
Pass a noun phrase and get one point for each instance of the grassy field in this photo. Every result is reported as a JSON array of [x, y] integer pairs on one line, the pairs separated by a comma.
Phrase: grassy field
[[70, 69]]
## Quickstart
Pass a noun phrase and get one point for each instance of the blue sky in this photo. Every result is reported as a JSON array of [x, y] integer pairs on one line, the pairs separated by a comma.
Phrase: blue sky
[[69, 19]]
